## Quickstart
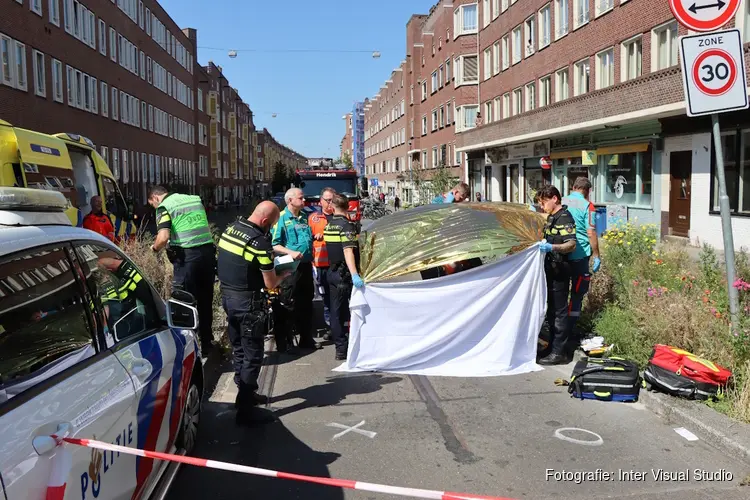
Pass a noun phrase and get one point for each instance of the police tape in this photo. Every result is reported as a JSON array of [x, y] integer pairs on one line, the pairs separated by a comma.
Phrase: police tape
[[244, 469]]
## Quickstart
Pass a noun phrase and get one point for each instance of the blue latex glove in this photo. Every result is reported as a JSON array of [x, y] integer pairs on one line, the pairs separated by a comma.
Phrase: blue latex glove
[[449, 198], [597, 263], [357, 281], [545, 247]]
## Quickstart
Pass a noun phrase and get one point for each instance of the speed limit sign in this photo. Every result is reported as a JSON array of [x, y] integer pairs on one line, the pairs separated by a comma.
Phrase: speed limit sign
[[713, 72]]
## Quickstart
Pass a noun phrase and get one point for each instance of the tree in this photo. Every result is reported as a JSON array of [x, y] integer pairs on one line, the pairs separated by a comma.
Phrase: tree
[[430, 182], [346, 159], [282, 179]]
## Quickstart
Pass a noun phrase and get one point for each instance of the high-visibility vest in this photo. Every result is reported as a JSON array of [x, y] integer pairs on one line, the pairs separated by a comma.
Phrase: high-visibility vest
[[318, 222], [189, 222]]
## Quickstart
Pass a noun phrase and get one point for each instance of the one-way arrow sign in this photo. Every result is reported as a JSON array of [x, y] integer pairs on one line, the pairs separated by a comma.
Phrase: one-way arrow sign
[[704, 15], [695, 8]]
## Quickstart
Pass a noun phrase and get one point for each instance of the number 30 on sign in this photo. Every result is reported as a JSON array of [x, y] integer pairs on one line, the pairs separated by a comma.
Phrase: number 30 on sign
[[713, 72]]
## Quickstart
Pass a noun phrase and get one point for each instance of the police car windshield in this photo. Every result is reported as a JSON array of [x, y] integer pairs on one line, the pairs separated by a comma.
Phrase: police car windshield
[[347, 187]]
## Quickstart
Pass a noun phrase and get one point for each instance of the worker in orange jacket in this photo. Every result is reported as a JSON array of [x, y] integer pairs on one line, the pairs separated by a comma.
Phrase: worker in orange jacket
[[318, 222], [98, 221]]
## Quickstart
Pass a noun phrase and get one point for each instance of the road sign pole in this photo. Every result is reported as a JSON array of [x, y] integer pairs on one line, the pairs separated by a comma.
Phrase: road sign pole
[[726, 225]]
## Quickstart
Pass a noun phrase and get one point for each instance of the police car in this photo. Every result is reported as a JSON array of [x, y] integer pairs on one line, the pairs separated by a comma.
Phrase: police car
[[87, 349]]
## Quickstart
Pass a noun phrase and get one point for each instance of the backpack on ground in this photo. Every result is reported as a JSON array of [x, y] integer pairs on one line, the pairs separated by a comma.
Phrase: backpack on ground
[[681, 373], [605, 379]]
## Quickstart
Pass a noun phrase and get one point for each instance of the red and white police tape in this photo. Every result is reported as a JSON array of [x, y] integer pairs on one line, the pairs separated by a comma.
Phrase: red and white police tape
[[340, 483]]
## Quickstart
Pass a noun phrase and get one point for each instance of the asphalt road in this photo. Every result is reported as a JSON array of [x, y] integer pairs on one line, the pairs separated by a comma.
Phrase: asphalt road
[[490, 436]]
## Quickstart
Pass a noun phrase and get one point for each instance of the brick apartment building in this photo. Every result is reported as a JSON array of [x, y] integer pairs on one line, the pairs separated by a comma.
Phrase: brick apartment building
[[557, 89], [346, 141], [435, 94], [124, 75], [270, 153]]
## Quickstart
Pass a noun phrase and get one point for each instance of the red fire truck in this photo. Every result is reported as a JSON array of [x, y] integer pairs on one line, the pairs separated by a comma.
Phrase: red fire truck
[[314, 178]]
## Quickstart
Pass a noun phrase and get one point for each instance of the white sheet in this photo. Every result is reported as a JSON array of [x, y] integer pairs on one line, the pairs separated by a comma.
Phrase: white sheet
[[478, 323]]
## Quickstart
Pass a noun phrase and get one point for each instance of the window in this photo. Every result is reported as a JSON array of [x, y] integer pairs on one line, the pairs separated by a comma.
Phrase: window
[[143, 116], [467, 70], [424, 125], [517, 101], [495, 9], [112, 44], [632, 59], [486, 13], [530, 27], [105, 99], [434, 157], [20, 65], [488, 112], [581, 77], [434, 120], [627, 178], [467, 117], [465, 20], [530, 96], [545, 91], [54, 12], [57, 80], [36, 6], [448, 74], [506, 105], [736, 150], [605, 69], [434, 82], [496, 58], [449, 116], [142, 65], [545, 26], [604, 6], [200, 100], [40, 77], [665, 41], [487, 63], [102, 37], [442, 118], [517, 44], [114, 103], [45, 322], [561, 18], [424, 90], [561, 85], [581, 9], [506, 52]]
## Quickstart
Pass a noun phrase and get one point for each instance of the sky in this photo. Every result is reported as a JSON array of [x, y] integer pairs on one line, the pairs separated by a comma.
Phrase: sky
[[310, 92]]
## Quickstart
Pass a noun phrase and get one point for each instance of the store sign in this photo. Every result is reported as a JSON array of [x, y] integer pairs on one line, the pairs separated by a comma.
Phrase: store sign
[[588, 157], [545, 162], [517, 151]]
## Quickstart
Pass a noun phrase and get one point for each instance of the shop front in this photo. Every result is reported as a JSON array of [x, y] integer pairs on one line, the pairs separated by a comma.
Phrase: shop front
[[517, 171]]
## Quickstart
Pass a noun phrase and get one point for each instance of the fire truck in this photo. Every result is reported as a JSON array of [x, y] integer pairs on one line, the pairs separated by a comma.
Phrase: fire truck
[[322, 173]]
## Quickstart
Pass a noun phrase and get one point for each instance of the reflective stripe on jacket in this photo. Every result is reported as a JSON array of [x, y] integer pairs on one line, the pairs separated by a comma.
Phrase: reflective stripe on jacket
[[318, 222]]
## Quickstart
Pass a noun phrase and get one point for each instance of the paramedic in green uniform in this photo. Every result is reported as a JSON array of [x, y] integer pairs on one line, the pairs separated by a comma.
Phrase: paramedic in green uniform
[[587, 246], [292, 236], [182, 227], [559, 241]]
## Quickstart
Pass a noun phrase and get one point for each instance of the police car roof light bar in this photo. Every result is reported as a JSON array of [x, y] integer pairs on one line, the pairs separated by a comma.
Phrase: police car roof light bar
[[32, 200]]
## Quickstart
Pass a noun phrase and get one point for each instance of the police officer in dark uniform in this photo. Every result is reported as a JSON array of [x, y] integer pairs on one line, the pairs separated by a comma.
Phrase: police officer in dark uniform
[[559, 242], [245, 267], [340, 236]]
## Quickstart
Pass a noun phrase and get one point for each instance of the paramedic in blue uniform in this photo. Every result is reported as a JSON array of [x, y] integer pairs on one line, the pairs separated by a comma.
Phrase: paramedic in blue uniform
[[292, 236], [340, 237], [245, 267], [587, 246], [559, 242]]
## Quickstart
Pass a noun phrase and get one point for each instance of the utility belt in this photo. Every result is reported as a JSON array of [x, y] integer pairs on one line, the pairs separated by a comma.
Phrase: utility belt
[[175, 253], [557, 264], [258, 299], [342, 269]]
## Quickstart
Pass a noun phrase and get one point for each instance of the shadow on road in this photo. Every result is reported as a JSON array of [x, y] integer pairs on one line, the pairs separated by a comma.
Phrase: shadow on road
[[334, 391]]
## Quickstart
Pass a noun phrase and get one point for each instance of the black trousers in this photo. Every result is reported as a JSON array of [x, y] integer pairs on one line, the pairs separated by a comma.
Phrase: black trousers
[[558, 288], [340, 282], [248, 324], [296, 299], [194, 272], [580, 278]]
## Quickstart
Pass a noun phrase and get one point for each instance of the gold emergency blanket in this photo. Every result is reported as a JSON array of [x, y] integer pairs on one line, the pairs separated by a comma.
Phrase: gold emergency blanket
[[434, 235]]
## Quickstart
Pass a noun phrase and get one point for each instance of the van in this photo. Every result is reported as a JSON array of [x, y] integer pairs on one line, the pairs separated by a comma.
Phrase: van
[[67, 163]]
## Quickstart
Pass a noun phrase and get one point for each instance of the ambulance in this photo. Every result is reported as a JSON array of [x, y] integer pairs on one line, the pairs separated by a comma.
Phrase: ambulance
[[66, 163]]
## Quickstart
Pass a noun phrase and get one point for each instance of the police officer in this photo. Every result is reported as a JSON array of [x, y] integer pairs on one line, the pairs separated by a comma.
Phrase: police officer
[[292, 236], [181, 223], [559, 241], [343, 256], [587, 246], [245, 267]]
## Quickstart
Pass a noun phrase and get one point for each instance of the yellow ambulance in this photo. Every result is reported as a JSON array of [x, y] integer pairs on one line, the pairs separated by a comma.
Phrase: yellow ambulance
[[67, 163]]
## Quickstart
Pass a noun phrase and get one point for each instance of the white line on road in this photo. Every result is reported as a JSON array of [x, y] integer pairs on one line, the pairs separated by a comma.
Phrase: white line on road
[[354, 428], [686, 434], [559, 435]]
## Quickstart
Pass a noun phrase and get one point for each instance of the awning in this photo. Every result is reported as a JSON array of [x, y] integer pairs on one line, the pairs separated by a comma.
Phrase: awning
[[623, 148], [42, 149]]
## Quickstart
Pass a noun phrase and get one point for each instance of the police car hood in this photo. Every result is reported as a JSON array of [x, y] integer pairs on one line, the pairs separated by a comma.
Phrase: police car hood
[[434, 235]]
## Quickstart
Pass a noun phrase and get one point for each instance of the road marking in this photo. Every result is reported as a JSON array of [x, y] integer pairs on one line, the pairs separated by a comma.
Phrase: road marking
[[353, 428], [302, 364], [559, 435], [686, 434]]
